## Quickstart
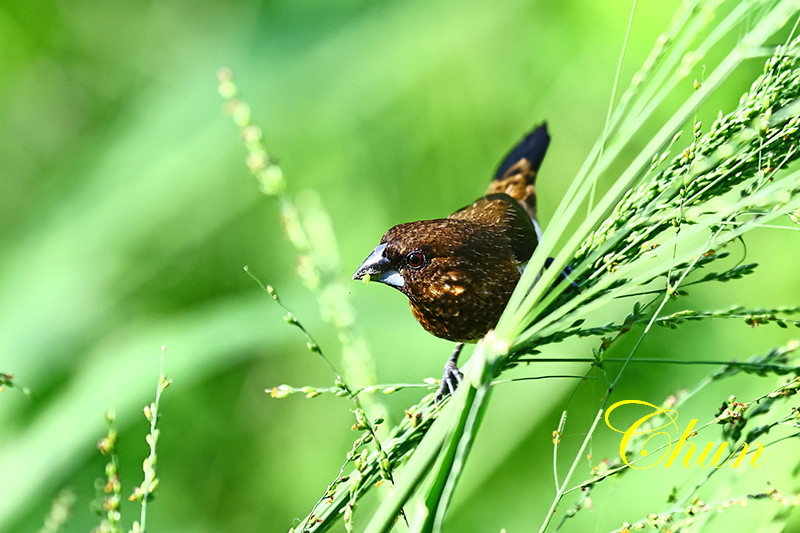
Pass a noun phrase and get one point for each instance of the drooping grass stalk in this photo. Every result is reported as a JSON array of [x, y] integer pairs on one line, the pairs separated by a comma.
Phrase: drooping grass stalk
[[363, 423], [660, 222], [309, 229]]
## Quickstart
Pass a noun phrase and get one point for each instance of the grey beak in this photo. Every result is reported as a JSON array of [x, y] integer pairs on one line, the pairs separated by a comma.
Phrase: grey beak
[[379, 268]]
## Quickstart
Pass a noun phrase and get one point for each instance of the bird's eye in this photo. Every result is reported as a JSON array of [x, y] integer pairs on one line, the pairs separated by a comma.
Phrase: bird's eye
[[415, 259]]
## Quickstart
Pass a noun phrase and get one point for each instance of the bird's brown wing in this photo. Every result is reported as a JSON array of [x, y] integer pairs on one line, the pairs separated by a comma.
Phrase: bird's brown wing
[[501, 214]]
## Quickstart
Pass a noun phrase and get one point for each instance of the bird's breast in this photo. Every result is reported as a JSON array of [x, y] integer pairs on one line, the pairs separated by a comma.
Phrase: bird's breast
[[459, 309]]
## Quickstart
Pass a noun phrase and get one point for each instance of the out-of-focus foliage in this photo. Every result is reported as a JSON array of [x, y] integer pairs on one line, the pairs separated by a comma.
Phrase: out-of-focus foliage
[[127, 214]]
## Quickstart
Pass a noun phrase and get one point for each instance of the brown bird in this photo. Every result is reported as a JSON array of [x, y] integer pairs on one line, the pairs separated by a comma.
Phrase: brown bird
[[459, 272]]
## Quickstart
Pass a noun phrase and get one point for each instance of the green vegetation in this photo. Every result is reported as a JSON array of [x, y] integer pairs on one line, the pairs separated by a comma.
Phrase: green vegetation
[[128, 216]]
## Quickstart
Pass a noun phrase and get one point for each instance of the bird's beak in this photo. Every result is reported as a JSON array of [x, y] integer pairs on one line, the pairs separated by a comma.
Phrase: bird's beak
[[377, 268]]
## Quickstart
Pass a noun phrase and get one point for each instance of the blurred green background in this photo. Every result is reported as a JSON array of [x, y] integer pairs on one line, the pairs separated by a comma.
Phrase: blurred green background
[[127, 214]]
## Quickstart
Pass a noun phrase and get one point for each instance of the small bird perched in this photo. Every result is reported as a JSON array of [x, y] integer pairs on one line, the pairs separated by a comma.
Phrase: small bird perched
[[459, 272]]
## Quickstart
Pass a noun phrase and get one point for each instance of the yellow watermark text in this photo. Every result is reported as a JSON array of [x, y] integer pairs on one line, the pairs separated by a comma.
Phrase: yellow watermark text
[[658, 430]]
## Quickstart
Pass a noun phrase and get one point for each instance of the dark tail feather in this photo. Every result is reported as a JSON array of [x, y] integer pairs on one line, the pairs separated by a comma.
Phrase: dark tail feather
[[533, 148]]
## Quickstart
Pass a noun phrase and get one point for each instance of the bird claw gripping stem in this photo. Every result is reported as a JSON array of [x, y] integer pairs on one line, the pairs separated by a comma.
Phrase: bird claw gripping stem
[[452, 375]]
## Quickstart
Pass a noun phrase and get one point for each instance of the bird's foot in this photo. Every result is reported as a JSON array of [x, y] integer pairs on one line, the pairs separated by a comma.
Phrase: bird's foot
[[452, 375], [450, 381]]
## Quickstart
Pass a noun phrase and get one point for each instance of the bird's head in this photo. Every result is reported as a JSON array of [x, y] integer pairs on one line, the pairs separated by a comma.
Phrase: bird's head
[[457, 272], [421, 259]]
